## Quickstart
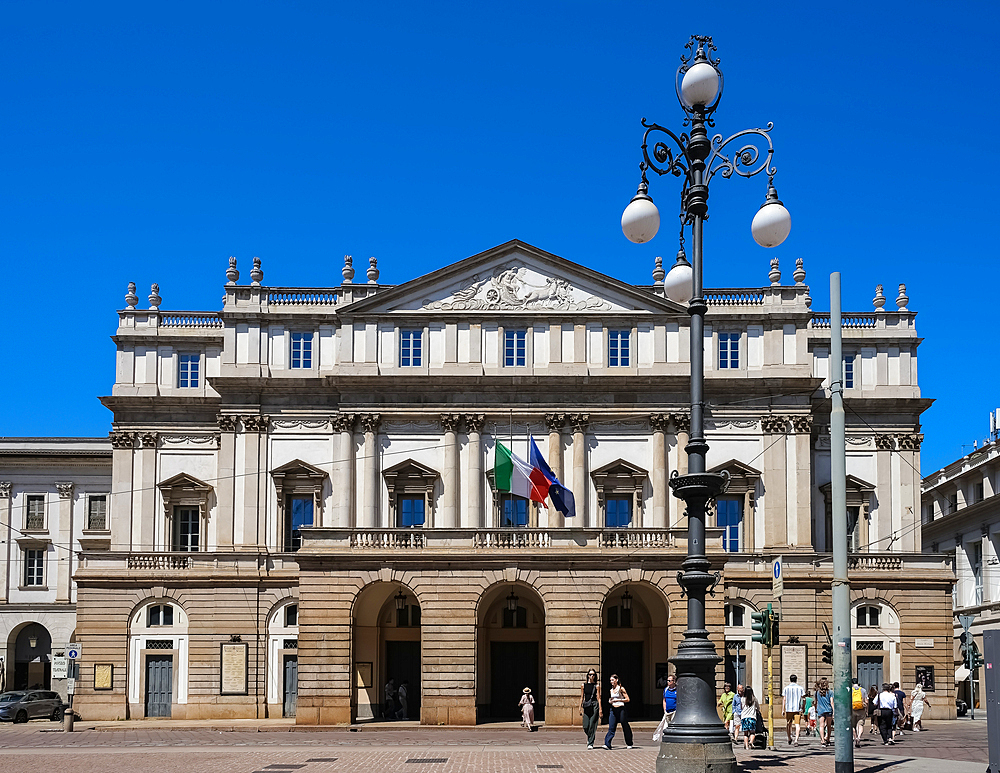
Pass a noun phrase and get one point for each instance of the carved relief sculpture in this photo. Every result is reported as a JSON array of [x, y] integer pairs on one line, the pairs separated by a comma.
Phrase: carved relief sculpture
[[508, 290]]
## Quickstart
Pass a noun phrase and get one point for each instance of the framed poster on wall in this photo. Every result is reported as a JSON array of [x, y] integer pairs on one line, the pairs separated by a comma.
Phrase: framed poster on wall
[[925, 677], [103, 676], [793, 661], [233, 668]]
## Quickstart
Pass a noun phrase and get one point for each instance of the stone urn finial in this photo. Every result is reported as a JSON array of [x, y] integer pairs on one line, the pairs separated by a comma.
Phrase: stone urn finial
[[256, 273], [131, 299], [232, 275], [373, 271], [658, 272], [154, 297], [879, 300], [799, 274], [775, 273], [348, 269], [902, 299]]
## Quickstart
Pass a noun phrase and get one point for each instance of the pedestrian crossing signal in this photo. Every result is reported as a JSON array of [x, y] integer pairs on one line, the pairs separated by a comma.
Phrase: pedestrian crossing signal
[[761, 626]]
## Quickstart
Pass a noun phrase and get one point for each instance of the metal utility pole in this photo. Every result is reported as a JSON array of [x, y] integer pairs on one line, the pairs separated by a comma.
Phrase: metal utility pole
[[991, 651], [843, 734]]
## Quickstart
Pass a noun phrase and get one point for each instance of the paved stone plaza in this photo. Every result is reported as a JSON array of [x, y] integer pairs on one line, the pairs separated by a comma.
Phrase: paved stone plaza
[[137, 747]]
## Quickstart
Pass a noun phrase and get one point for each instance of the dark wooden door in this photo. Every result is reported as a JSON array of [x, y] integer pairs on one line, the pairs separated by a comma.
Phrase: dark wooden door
[[159, 685], [513, 666], [870, 671], [625, 659], [403, 662]]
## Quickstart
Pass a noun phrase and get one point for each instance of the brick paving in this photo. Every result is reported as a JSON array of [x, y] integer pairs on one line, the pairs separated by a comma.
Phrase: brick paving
[[42, 746]]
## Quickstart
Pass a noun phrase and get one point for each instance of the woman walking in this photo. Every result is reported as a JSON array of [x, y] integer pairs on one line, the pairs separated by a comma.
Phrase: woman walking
[[887, 709], [590, 706], [748, 718], [618, 698], [527, 705], [918, 699], [872, 713], [824, 708]]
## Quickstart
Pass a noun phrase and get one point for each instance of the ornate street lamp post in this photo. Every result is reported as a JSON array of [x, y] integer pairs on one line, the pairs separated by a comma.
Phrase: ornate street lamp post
[[697, 740]]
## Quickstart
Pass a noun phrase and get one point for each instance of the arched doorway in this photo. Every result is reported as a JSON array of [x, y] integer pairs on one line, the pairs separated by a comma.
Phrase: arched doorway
[[875, 638], [744, 657], [158, 658], [283, 659], [32, 658], [386, 642], [510, 652], [634, 645]]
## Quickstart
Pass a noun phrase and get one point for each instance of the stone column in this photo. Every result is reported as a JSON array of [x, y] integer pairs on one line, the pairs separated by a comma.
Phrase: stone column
[[64, 559], [801, 516], [225, 486], [254, 527], [909, 492], [120, 506], [343, 472], [450, 474], [775, 482], [681, 423], [145, 493], [881, 526], [554, 422], [658, 475], [581, 486], [474, 423], [369, 509], [5, 511]]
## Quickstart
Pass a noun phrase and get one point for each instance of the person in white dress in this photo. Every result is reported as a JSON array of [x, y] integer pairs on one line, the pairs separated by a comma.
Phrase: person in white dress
[[527, 704], [918, 700]]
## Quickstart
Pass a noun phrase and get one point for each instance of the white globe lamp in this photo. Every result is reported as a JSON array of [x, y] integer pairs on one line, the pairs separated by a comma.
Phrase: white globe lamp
[[678, 285], [641, 218], [700, 85], [772, 223]]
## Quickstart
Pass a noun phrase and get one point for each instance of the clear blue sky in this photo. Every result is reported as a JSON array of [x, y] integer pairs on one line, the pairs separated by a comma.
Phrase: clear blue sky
[[149, 142]]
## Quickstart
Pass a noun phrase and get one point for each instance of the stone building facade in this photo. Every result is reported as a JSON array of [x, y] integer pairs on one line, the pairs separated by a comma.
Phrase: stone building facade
[[960, 514], [303, 505]]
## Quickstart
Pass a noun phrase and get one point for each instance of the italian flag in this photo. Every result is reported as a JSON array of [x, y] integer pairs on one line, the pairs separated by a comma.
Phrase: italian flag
[[513, 475]]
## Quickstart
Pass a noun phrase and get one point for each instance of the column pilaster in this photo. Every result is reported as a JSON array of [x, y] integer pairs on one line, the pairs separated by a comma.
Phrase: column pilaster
[[450, 475], [64, 559], [343, 423], [225, 487], [5, 514], [474, 423], [775, 429], [370, 423], [581, 486], [554, 422], [680, 424], [658, 474]]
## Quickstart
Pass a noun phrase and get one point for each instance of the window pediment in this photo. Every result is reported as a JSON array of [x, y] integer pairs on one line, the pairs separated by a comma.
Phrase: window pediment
[[742, 477], [859, 493], [411, 479], [184, 489]]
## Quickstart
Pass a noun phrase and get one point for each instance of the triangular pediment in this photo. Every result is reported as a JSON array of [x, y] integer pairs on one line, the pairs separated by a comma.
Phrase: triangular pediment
[[736, 467], [183, 481], [298, 468], [514, 278], [854, 484], [620, 468], [411, 469]]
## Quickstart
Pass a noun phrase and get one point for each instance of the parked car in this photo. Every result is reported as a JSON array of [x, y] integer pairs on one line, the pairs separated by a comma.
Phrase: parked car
[[961, 707], [22, 705]]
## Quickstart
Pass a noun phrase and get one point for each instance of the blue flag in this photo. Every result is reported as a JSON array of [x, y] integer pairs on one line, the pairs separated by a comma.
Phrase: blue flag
[[561, 497]]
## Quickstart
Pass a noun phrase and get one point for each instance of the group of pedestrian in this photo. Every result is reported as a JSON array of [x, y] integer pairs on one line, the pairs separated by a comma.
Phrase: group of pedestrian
[[592, 711], [396, 700]]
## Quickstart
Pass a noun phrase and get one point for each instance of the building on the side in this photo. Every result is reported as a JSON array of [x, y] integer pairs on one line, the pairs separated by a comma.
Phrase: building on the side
[[960, 516], [303, 504], [54, 495]]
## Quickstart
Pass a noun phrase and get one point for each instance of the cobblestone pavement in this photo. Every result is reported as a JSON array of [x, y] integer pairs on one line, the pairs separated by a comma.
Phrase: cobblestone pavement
[[414, 749]]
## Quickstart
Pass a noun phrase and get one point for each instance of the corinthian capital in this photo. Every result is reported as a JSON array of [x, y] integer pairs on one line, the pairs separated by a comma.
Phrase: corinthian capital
[[255, 423], [774, 425], [5, 486], [121, 439], [343, 422], [681, 422], [802, 423], [659, 422], [474, 422], [555, 421], [227, 421], [370, 422], [65, 490], [451, 422], [910, 442], [149, 439], [579, 421]]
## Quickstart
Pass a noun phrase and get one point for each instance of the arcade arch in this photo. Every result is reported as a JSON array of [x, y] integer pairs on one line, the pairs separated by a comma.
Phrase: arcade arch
[[510, 651], [386, 645], [283, 659], [158, 658]]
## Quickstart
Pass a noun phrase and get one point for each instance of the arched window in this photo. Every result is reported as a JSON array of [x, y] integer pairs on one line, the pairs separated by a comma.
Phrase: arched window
[[868, 617], [735, 615], [159, 615]]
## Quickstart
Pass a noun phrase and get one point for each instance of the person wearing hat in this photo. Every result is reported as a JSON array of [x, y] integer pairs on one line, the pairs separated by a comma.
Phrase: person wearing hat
[[527, 705]]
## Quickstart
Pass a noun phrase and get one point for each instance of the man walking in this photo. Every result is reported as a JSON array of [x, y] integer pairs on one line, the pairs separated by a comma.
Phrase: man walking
[[791, 707], [859, 711], [670, 698], [900, 708], [725, 702]]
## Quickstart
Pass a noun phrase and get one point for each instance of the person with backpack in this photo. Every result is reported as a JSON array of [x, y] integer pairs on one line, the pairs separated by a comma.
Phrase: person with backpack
[[859, 710]]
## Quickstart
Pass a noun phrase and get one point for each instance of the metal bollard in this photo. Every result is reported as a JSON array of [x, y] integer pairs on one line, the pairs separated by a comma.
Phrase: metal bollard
[[68, 718]]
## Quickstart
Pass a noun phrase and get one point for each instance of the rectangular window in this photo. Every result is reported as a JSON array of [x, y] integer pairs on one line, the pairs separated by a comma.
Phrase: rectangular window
[[410, 348], [976, 559], [978, 492], [187, 372], [953, 503], [729, 350], [617, 512], [34, 568], [186, 529], [302, 348], [34, 519], [298, 514], [411, 511], [408, 616], [513, 510], [729, 514], [618, 348], [515, 618], [514, 352], [619, 617], [848, 371], [97, 513]]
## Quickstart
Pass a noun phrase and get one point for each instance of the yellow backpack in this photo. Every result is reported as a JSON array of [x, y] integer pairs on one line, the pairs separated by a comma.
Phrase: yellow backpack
[[857, 698]]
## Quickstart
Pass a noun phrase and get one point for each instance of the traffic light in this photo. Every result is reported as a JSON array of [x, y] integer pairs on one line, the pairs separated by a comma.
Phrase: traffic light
[[775, 618], [964, 646], [975, 657], [828, 652], [761, 626]]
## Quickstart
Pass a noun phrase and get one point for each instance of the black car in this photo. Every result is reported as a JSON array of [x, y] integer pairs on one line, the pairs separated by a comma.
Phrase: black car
[[22, 705]]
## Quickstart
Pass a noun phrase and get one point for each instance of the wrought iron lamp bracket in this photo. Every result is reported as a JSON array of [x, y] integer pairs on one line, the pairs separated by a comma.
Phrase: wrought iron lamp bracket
[[749, 160]]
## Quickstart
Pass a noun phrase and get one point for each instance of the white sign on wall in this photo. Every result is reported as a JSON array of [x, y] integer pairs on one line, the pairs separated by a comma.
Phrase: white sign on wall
[[60, 667], [777, 579]]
